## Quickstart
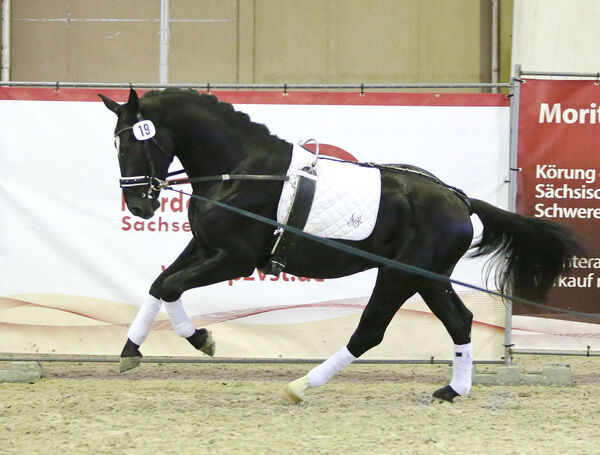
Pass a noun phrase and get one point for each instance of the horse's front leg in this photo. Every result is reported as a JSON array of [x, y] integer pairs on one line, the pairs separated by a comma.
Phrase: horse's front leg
[[196, 266], [131, 356], [138, 332]]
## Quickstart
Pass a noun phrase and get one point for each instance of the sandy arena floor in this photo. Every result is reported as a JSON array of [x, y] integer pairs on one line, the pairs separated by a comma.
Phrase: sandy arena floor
[[234, 409]]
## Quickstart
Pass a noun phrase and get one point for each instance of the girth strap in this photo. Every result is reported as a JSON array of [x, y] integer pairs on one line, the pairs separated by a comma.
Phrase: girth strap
[[302, 201]]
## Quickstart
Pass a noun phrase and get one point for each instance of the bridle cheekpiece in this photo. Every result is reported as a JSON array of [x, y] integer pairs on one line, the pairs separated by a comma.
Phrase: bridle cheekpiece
[[143, 131]]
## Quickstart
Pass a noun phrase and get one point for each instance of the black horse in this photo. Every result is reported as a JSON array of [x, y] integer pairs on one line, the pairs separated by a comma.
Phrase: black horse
[[421, 222]]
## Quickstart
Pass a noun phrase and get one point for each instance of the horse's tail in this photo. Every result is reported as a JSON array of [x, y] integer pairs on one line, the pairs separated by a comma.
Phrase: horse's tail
[[527, 253]]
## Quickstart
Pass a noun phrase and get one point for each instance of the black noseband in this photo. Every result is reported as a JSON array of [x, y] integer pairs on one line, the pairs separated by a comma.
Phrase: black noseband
[[152, 184]]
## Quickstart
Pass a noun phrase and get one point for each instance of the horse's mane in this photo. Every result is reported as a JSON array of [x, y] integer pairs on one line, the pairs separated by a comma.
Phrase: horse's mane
[[240, 120]]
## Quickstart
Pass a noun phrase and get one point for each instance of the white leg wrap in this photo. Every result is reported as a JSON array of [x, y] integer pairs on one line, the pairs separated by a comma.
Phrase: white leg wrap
[[319, 375], [462, 368], [140, 327], [180, 321]]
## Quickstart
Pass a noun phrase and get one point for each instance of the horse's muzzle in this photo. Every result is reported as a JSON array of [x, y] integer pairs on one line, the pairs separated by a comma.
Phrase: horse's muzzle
[[142, 208]]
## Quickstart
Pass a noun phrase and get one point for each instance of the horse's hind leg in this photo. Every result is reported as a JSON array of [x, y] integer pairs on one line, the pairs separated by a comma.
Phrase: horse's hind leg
[[392, 289], [443, 301]]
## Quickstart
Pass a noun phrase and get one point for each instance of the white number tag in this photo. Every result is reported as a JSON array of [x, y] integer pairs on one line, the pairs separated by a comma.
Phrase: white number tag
[[144, 130]]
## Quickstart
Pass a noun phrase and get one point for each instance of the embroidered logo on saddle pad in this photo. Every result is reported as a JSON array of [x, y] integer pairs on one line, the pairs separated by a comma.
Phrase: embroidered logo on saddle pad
[[346, 199]]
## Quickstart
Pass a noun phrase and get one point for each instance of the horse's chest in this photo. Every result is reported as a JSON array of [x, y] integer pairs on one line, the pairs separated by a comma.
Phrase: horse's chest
[[346, 200]]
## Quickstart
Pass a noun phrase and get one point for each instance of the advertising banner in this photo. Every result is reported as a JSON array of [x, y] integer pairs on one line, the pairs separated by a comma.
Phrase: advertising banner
[[559, 157], [75, 265]]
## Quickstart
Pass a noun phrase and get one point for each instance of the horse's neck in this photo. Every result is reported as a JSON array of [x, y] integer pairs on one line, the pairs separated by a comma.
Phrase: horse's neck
[[270, 157], [209, 142]]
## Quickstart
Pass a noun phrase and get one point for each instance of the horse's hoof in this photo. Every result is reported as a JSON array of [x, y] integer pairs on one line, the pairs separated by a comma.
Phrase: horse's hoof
[[203, 341], [209, 345], [129, 363], [294, 391], [287, 394], [446, 393]]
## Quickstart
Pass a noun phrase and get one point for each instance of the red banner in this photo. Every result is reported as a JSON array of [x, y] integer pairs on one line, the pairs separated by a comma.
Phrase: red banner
[[559, 154]]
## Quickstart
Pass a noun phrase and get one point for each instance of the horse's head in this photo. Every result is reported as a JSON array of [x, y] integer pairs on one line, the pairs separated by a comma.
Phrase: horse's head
[[144, 155]]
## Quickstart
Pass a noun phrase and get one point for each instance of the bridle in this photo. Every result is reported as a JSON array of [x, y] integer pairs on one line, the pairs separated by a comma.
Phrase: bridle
[[153, 184]]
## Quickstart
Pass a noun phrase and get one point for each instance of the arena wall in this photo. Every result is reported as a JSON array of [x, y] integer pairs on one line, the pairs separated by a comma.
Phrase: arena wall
[[76, 265], [257, 41]]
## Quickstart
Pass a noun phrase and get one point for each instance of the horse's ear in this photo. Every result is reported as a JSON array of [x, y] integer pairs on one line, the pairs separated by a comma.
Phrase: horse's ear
[[133, 102], [110, 104]]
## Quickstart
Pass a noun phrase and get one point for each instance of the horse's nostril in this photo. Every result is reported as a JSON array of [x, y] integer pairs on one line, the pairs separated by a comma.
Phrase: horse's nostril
[[141, 209]]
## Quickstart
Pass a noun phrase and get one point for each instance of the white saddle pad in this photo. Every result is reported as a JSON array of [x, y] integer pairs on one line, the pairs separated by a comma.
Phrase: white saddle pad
[[346, 199]]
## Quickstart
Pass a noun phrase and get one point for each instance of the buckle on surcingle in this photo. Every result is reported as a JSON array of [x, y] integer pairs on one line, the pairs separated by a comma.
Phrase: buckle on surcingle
[[273, 267]]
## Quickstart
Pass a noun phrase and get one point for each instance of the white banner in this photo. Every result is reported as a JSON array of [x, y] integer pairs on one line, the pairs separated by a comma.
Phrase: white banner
[[75, 264]]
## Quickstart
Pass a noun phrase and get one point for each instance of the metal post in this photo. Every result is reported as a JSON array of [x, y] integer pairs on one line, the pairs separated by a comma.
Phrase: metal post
[[5, 40], [495, 32], [514, 138], [163, 69], [512, 193]]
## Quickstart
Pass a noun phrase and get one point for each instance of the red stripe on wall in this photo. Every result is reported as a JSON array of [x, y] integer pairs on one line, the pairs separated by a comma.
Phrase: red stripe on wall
[[274, 97]]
